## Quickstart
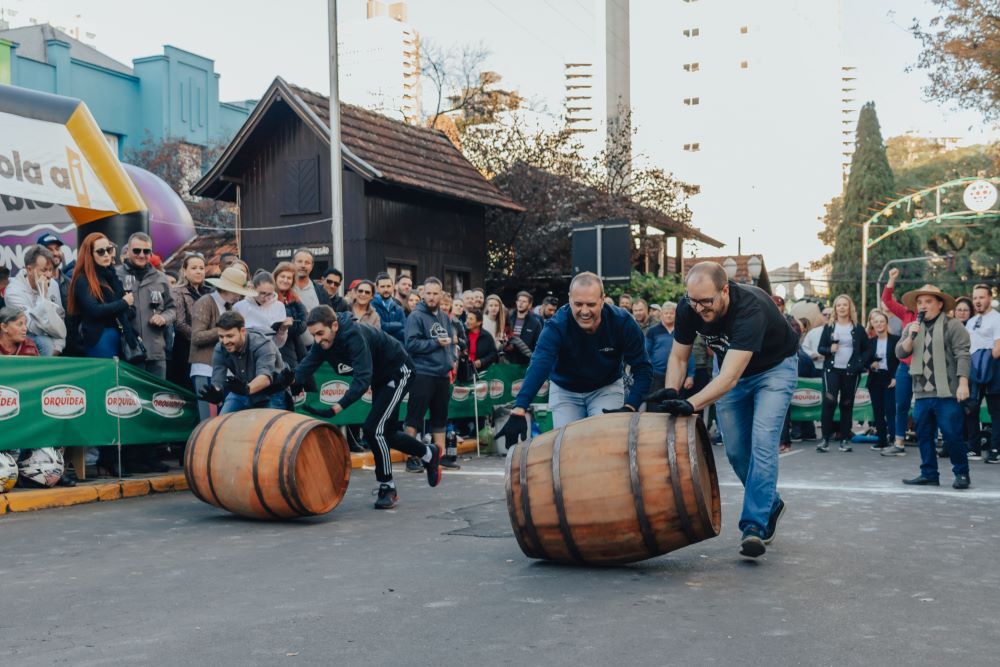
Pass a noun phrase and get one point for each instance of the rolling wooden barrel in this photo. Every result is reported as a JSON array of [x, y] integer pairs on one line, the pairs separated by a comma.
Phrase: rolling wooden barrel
[[612, 489], [268, 464]]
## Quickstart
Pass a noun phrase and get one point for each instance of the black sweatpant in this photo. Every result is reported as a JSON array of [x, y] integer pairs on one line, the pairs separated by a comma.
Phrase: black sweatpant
[[838, 383], [971, 409], [382, 426]]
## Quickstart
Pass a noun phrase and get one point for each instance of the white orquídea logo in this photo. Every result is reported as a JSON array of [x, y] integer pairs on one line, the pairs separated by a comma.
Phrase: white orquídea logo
[[122, 402], [10, 402], [168, 405], [64, 401], [332, 391]]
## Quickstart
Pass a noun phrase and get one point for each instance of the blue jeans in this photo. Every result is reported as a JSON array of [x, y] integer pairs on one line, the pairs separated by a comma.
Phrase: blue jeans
[[570, 406], [107, 346], [946, 414], [904, 397], [750, 417], [236, 402]]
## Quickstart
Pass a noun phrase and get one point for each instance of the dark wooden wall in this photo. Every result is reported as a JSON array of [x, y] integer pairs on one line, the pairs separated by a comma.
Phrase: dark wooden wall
[[382, 223]]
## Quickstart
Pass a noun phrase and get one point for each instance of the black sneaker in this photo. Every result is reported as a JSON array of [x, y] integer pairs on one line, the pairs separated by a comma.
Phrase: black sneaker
[[894, 450], [433, 467], [974, 456], [387, 497], [772, 521], [993, 456], [845, 446], [414, 464], [450, 462], [752, 544], [878, 447], [823, 447], [961, 482]]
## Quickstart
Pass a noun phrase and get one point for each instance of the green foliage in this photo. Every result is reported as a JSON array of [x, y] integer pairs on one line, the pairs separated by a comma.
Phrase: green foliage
[[871, 182], [650, 287]]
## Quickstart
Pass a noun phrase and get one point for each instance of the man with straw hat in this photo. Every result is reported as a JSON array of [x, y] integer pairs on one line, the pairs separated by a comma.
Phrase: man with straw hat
[[940, 375]]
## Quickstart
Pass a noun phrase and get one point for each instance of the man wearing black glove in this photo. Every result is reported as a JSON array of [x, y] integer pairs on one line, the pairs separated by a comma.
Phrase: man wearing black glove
[[756, 349], [581, 352], [377, 360], [244, 365]]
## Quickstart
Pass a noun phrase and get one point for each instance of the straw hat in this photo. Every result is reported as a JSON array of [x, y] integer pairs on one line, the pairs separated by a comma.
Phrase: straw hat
[[910, 298], [232, 280]]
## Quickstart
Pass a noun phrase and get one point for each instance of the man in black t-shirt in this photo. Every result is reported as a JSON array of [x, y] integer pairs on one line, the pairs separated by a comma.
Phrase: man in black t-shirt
[[756, 349]]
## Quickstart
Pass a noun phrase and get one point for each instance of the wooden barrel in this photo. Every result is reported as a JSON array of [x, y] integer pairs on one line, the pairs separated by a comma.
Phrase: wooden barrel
[[268, 464], [612, 489]]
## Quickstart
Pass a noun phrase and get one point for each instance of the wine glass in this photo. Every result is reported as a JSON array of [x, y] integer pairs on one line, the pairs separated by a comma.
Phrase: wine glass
[[128, 282]]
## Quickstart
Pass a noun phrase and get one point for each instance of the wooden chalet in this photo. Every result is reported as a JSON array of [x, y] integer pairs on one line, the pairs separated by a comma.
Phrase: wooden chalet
[[412, 202]]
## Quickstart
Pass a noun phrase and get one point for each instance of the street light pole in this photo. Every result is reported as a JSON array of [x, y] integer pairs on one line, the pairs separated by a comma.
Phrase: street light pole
[[864, 265], [336, 164]]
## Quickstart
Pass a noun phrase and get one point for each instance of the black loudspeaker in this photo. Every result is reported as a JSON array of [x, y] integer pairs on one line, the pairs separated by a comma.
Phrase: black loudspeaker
[[603, 247]]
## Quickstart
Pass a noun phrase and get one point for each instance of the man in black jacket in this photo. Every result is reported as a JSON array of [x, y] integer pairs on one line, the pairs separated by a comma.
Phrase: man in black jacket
[[332, 279], [526, 327], [373, 359]]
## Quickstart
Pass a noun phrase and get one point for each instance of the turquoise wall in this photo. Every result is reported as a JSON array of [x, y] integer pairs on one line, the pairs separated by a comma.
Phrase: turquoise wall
[[174, 95]]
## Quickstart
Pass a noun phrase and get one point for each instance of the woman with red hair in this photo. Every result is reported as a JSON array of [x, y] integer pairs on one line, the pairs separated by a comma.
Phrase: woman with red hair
[[98, 300]]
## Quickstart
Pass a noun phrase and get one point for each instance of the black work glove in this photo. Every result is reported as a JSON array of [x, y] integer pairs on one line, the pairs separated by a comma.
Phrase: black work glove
[[677, 406], [296, 387], [236, 386], [660, 395], [515, 430], [211, 394], [325, 413], [624, 408], [283, 378]]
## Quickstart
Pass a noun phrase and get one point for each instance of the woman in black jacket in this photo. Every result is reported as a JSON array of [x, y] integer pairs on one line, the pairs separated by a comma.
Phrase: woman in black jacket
[[882, 377], [844, 343], [482, 345], [97, 301]]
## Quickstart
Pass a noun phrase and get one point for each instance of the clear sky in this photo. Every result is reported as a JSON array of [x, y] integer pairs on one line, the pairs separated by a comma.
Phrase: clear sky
[[251, 41]]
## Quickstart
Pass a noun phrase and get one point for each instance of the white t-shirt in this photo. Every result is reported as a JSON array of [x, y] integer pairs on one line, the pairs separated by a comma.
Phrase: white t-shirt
[[810, 345], [260, 318], [881, 352], [307, 295], [845, 344], [984, 331]]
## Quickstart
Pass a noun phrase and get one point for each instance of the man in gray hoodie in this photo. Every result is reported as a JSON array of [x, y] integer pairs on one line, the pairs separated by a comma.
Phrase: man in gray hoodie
[[430, 342]]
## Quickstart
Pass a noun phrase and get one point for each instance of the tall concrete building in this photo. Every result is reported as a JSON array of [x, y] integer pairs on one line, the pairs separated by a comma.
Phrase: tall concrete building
[[598, 80], [380, 61], [747, 103]]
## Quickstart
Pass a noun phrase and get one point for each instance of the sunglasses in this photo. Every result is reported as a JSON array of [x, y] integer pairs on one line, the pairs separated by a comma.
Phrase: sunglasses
[[364, 291], [142, 251], [335, 283], [106, 250]]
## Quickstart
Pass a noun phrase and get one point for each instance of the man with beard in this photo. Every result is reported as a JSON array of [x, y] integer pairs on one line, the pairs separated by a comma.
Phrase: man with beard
[[404, 285], [756, 349], [374, 360], [525, 328], [391, 315], [984, 334]]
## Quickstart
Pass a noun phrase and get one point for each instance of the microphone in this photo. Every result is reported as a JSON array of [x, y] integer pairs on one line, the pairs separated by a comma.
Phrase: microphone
[[920, 320]]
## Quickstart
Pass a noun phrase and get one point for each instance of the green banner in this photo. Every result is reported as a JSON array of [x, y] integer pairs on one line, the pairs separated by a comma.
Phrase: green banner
[[63, 402]]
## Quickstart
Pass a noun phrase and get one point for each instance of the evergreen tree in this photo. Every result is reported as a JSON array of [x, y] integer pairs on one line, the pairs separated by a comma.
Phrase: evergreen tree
[[870, 182]]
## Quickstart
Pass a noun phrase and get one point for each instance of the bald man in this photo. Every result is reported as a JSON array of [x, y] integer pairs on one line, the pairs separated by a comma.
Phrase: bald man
[[756, 349]]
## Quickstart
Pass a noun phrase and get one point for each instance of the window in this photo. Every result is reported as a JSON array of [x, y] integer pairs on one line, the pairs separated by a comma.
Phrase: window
[[457, 281], [692, 32], [691, 101], [692, 67], [300, 186], [744, 64], [744, 30], [394, 269], [692, 147]]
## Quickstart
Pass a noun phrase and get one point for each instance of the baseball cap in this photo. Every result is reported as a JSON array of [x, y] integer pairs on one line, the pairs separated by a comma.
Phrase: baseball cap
[[47, 238]]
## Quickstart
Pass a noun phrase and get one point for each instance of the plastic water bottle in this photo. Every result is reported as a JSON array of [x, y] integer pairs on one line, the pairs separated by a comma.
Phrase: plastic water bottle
[[450, 442]]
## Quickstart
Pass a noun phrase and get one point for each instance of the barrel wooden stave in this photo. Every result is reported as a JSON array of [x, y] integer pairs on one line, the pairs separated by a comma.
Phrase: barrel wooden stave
[[268, 464], [599, 521]]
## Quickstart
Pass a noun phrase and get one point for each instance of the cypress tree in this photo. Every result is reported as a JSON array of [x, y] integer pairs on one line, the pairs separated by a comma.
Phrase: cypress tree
[[870, 182]]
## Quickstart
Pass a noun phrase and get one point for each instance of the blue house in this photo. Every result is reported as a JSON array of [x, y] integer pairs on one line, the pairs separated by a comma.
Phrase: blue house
[[170, 96]]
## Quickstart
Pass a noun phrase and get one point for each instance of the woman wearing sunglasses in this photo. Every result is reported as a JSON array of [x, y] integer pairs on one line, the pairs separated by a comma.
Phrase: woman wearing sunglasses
[[98, 300], [361, 306]]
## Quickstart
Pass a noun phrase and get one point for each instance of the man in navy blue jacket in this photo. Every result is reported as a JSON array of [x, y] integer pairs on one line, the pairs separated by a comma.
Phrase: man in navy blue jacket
[[582, 352], [391, 314], [372, 359]]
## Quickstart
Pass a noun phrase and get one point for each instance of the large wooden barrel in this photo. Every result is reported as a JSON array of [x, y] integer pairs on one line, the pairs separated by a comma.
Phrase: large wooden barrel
[[614, 489], [268, 464]]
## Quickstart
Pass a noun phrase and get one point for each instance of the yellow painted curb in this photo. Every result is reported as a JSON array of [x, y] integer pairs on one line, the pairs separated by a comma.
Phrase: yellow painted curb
[[36, 499], [366, 459]]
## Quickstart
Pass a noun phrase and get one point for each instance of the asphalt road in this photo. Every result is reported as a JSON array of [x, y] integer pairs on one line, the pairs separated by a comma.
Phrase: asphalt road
[[864, 572]]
